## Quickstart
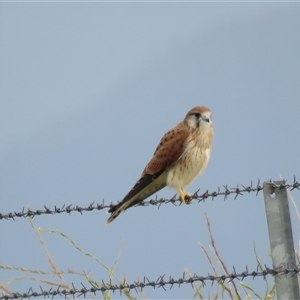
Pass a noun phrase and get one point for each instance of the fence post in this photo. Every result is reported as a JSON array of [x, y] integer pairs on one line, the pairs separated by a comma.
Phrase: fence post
[[281, 239]]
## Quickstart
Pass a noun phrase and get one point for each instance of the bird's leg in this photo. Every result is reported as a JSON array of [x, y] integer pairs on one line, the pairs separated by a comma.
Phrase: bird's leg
[[184, 196]]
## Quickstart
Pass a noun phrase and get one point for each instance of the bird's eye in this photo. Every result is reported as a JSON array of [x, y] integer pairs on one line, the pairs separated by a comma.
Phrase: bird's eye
[[197, 115]]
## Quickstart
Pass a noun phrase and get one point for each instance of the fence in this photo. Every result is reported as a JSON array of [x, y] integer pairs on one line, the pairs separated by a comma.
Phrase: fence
[[160, 282]]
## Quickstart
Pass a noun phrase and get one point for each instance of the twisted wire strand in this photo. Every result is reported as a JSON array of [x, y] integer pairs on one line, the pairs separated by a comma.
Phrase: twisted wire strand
[[239, 190], [160, 282]]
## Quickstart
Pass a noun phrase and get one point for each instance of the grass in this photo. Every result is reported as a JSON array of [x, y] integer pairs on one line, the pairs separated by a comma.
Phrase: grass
[[230, 289], [59, 275]]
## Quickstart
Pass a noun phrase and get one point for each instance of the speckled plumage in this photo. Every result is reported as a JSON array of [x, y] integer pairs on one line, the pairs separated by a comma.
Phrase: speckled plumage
[[182, 154]]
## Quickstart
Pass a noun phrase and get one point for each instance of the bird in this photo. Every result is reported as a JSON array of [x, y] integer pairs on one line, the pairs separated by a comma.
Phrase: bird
[[182, 154]]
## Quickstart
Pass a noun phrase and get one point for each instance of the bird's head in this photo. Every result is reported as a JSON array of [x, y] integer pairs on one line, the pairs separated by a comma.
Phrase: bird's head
[[199, 117]]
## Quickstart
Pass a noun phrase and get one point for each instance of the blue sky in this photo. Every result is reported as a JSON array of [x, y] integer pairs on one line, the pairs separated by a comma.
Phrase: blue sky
[[86, 92]]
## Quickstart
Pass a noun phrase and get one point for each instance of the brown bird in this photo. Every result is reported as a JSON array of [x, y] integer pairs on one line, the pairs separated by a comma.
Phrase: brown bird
[[182, 154]]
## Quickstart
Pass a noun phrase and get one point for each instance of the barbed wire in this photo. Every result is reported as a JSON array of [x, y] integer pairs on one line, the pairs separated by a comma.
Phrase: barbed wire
[[239, 190], [160, 283]]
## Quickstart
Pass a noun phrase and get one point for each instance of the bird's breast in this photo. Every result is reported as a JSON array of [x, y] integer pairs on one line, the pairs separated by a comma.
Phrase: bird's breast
[[192, 162]]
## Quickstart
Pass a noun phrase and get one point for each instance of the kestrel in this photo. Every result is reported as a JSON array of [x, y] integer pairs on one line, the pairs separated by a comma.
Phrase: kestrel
[[182, 154]]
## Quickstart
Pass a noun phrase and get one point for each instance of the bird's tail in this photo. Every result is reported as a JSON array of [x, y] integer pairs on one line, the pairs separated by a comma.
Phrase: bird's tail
[[144, 188], [116, 210]]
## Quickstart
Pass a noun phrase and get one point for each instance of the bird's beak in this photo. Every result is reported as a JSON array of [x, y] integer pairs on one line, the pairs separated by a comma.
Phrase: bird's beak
[[206, 119]]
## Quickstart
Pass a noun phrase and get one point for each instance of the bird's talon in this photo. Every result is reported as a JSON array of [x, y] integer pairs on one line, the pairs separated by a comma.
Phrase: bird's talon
[[185, 197], [188, 198]]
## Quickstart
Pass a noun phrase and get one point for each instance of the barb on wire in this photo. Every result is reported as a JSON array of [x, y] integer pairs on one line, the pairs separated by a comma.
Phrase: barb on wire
[[160, 282], [237, 191]]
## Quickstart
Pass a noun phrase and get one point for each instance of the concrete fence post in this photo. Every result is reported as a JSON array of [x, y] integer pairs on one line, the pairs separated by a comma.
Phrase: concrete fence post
[[281, 239]]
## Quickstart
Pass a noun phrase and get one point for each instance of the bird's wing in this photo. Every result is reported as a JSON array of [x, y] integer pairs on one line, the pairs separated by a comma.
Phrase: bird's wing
[[169, 150], [154, 176]]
